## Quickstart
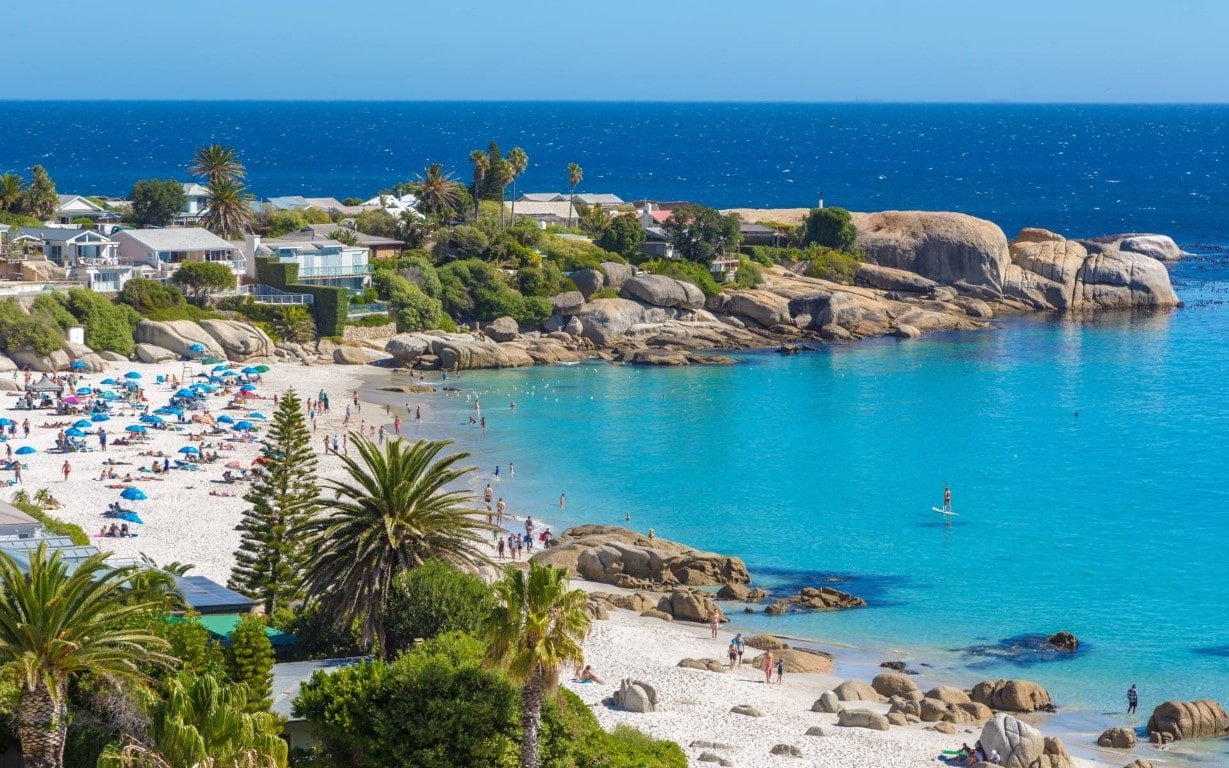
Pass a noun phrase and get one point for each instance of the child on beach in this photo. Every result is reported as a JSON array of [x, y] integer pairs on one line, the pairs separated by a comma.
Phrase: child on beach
[[732, 651], [780, 670], [769, 663]]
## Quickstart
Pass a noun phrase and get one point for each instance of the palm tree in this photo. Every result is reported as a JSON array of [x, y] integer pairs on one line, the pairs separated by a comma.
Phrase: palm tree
[[228, 211], [503, 174], [345, 236], [203, 722], [215, 163], [482, 164], [390, 514], [55, 626], [594, 220], [519, 162], [11, 187], [438, 192], [576, 174], [537, 626]]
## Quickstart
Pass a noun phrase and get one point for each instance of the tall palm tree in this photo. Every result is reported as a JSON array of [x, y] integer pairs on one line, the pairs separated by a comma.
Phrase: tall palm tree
[[55, 626], [438, 192], [203, 722], [345, 236], [228, 211], [482, 164], [390, 514], [216, 162], [576, 174], [519, 162], [11, 187], [536, 627]]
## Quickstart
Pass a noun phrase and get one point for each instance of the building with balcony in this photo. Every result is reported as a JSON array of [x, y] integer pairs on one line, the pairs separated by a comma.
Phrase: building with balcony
[[320, 261], [197, 200], [67, 247], [75, 207], [163, 250]]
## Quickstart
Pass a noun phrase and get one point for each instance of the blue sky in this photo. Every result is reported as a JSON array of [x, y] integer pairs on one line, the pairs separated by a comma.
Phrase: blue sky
[[706, 50]]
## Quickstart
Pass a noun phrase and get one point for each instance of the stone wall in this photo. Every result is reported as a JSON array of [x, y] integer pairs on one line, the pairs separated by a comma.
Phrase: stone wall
[[354, 333]]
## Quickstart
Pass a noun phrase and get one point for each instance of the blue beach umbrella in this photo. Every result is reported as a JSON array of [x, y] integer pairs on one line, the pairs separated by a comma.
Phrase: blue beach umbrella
[[245, 425], [83, 424], [108, 395], [257, 415], [132, 375], [108, 381], [25, 450], [196, 347], [166, 410], [131, 517], [248, 388], [219, 368], [78, 364], [133, 494], [185, 393], [190, 450], [85, 391], [150, 418], [226, 419], [136, 429], [100, 417], [7, 422], [228, 374], [250, 370], [74, 432]]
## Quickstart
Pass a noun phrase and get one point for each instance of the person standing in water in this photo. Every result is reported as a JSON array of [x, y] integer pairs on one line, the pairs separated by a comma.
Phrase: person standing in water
[[1132, 699], [947, 499]]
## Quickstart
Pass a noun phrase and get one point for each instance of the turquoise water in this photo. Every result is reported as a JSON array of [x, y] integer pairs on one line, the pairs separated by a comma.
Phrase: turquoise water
[[1109, 523]]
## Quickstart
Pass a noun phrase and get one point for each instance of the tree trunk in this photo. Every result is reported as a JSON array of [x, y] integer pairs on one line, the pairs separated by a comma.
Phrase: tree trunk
[[42, 730], [531, 719]]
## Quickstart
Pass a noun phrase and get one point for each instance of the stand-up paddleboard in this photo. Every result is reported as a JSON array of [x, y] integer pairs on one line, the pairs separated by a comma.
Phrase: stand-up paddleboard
[[947, 512]]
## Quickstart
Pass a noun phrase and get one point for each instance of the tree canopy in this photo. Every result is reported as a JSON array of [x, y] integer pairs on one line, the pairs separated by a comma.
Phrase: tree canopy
[[156, 201], [829, 227], [699, 233], [202, 278]]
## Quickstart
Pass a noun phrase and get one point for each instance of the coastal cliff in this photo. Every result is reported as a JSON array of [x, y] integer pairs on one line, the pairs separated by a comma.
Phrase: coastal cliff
[[921, 272]]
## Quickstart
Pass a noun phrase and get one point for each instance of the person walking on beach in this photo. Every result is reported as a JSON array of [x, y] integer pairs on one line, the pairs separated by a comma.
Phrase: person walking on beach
[[25, 427], [780, 670], [500, 508], [501, 548], [733, 654], [68, 468], [102, 439], [769, 663], [714, 620], [1132, 699], [741, 645]]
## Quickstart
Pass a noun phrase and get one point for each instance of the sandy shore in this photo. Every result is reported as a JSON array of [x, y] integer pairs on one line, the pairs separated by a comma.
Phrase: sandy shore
[[186, 520]]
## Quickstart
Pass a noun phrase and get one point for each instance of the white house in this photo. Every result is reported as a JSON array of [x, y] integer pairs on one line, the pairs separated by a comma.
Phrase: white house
[[194, 207], [73, 207], [605, 200], [321, 261], [67, 247], [163, 250]]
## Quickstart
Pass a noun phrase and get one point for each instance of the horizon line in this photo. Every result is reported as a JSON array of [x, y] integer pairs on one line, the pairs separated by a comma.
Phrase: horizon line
[[756, 102]]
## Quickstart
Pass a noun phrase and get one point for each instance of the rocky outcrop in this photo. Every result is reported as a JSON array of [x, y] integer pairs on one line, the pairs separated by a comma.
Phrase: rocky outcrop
[[862, 718], [704, 665], [1159, 247], [746, 710], [57, 360], [1204, 719], [152, 353], [948, 695], [762, 306], [354, 356], [1022, 746], [635, 696], [798, 660], [1124, 280], [1117, 738], [1012, 696], [588, 281], [605, 320], [240, 341], [618, 556], [889, 684], [856, 690], [459, 351], [817, 599], [1064, 641], [502, 329], [179, 336], [616, 274], [827, 703], [889, 279], [567, 303], [949, 248], [662, 291]]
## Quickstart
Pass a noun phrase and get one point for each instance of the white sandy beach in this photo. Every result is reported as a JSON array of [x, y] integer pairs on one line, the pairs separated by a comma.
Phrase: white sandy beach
[[184, 522]]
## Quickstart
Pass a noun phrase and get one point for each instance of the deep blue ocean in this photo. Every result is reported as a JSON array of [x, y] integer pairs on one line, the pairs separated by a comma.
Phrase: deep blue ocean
[[1087, 459]]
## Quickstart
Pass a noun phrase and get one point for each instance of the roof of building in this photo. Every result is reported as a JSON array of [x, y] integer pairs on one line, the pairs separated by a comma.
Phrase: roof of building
[[289, 677], [192, 189], [10, 515], [221, 625], [56, 234], [324, 230], [301, 244], [588, 198], [755, 227], [70, 199], [177, 239], [555, 210], [209, 597], [298, 203]]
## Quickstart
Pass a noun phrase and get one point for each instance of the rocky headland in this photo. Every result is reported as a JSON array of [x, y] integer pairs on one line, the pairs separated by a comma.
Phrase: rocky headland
[[922, 272]]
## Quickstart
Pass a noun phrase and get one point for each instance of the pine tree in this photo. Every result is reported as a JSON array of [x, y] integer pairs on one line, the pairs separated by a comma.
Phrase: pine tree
[[249, 662], [283, 496], [40, 199]]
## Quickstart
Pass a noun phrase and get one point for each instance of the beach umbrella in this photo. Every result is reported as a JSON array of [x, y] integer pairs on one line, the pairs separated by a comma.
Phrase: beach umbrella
[[71, 400], [257, 415], [100, 417], [166, 410], [218, 368], [190, 450], [74, 432], [132, 375], [108, 381], [133, 494], [7, 422], [25, 450], [234, 465], [206, 388], [226, 419], [198, 348], [248, 388], [131, 517], [248, 393], [185, 393], [84, 391], [228, 374], [250, 369], [78, 364], [108, 395], [136, 429], [245, 425], [262, 368], [83, 424], [150, 418]]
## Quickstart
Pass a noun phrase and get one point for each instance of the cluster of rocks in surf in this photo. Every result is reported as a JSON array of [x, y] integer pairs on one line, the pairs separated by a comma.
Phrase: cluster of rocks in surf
[[922, 272]]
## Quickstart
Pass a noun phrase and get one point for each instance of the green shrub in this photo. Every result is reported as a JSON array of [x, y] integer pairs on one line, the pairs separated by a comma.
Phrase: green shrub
[[330, 307], [572, 254], [38, 332], [605, 293], [829, 227], [249, 662], [431, 600], [544, 280], [693, 272], [147, 295], [414, 310], [828, 264], [769, 255], [52, 305], [108, 326], [749, 274], [54, 525], [370, 321]]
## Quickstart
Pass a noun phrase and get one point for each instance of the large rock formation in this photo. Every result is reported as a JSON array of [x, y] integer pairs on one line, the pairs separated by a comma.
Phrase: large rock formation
[[613, 555], [1012, 696], [616, 274], [635, 696], [1202, 719], [178, 336], [950, 248], [762, 306], [662, 291], [862, 718], [1022, 746], [152, 353], [890, 684], [57, 360], [798, 660], [605, 320], [240, 341]]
